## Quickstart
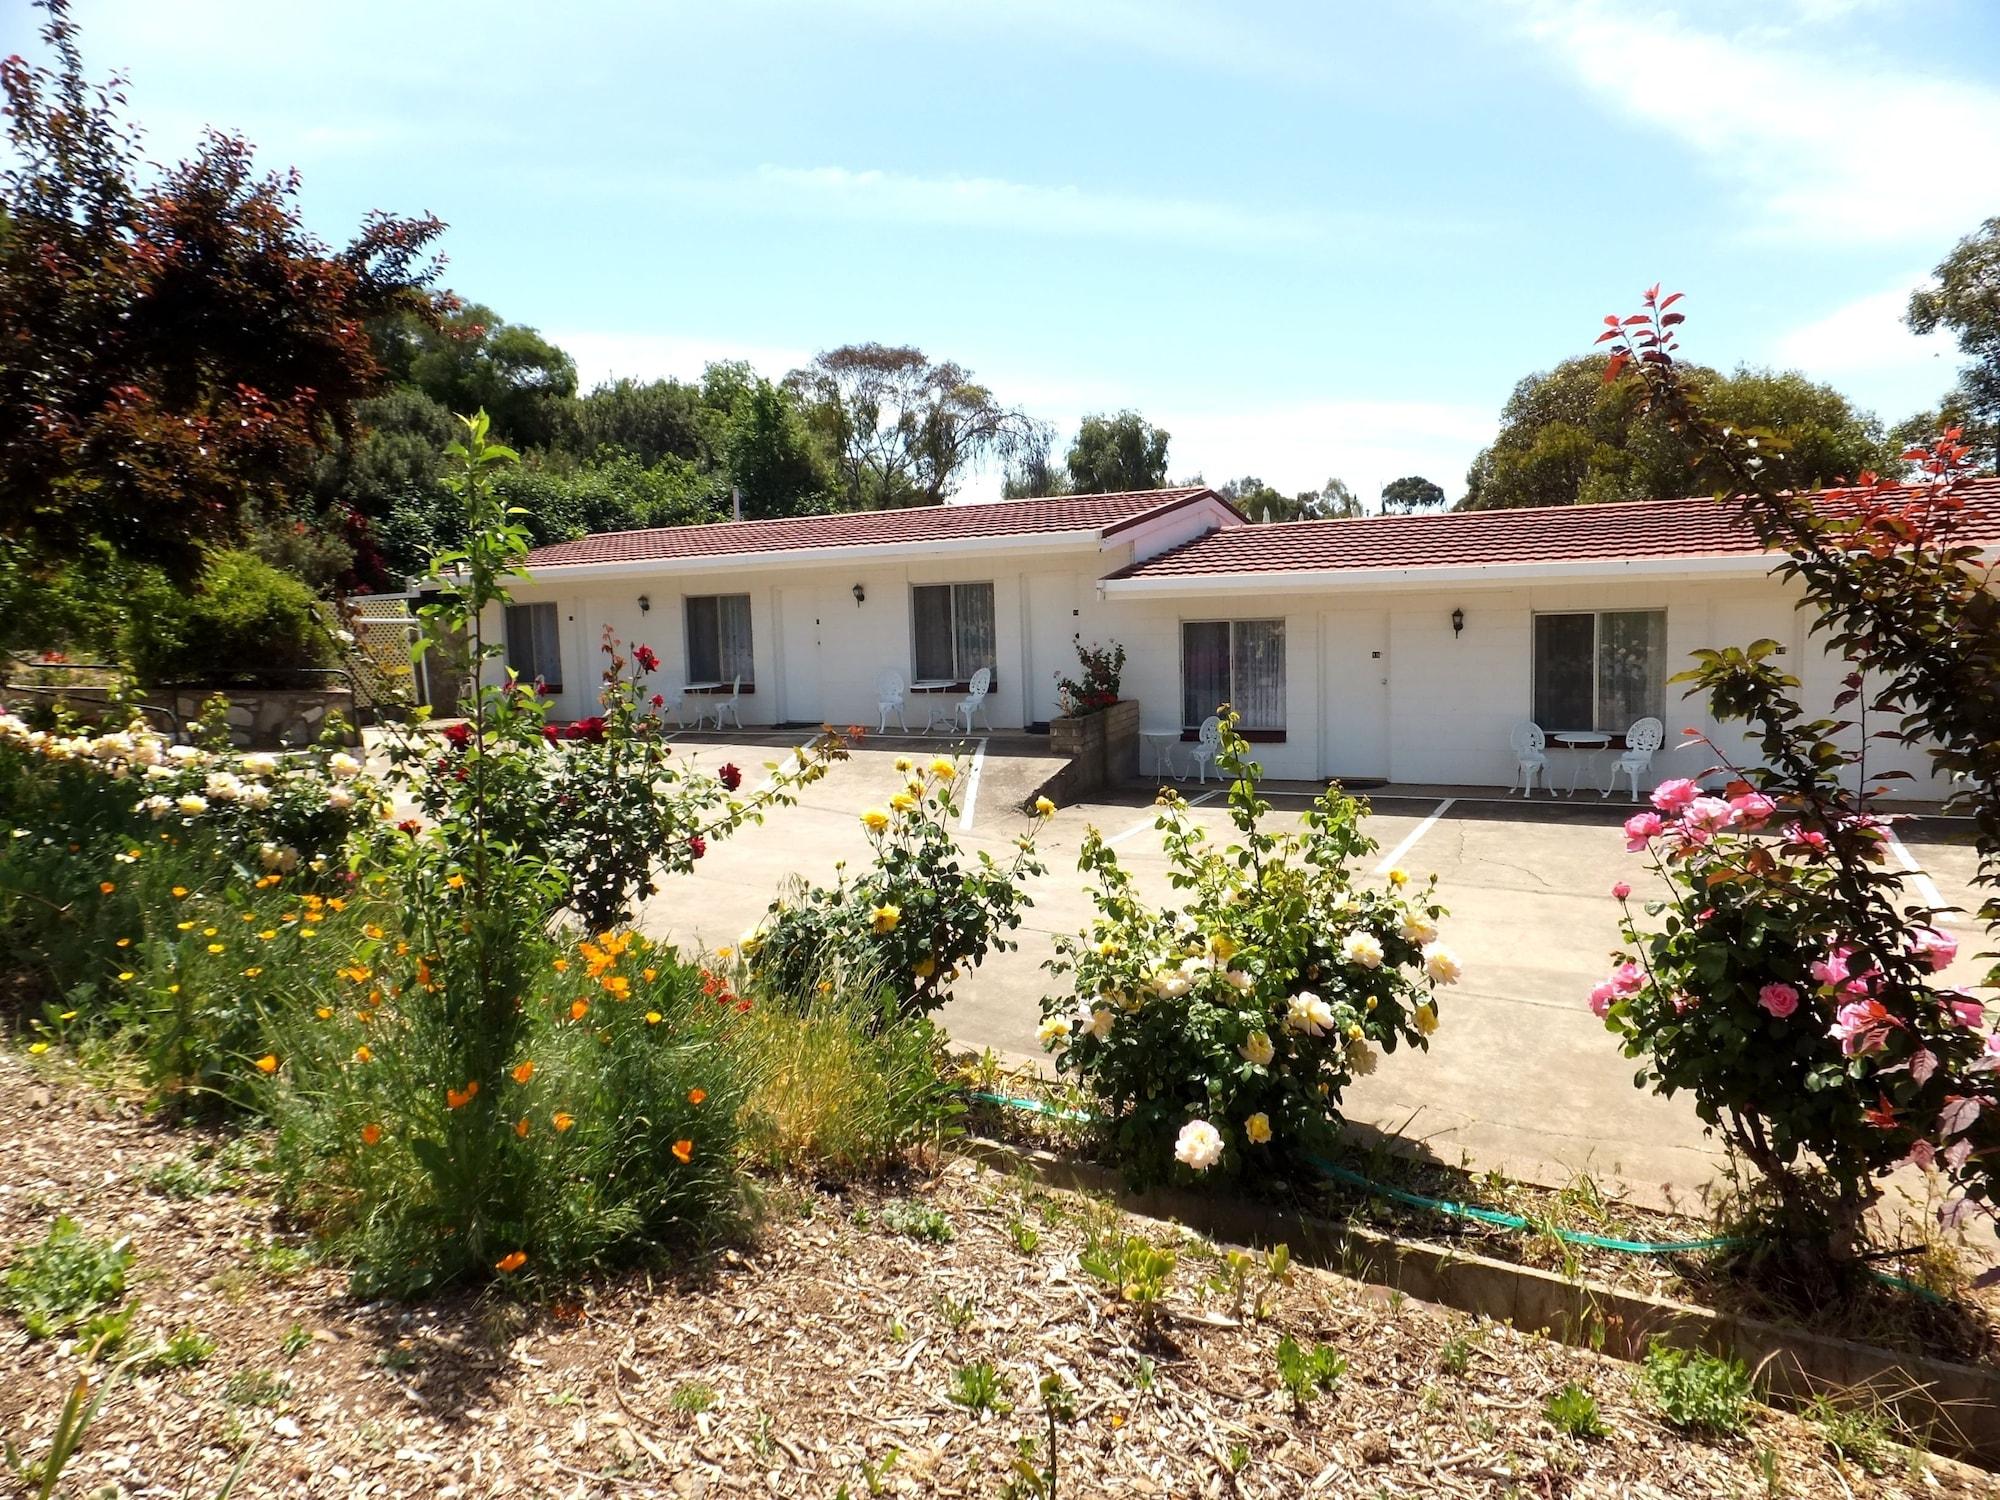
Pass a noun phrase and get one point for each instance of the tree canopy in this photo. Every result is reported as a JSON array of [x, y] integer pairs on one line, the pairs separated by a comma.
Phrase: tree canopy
[[1966, 300], [1122, 452], [1411, 493], [174, 346], [1261, 502], [1568, 437]]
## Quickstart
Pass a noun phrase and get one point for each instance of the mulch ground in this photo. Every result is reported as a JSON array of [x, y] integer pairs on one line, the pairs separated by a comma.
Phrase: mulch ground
[[820, 1353]]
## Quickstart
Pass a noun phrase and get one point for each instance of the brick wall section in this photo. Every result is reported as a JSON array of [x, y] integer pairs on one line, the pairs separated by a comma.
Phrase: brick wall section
[[1103, 750]]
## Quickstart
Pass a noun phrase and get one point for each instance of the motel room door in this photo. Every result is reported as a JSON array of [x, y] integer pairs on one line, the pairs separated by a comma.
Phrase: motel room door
[[798, 656], [1354, 695]]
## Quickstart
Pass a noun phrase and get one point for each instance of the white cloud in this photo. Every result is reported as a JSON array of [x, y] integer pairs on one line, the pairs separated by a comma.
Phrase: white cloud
[[1866, 336], [822, 194], [1831, 144]]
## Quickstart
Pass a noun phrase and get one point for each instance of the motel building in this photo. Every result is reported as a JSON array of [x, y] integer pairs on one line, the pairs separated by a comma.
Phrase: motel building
[[1398, 649]]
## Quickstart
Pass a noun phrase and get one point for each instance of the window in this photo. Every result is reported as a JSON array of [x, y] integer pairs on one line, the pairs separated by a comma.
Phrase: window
[[533, 650], [1600, 671], [1238, 662], [718, 639], [951, 629]]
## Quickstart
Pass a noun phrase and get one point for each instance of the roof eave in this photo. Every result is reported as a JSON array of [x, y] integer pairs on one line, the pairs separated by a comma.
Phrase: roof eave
[[1455, 575], [806, 557]]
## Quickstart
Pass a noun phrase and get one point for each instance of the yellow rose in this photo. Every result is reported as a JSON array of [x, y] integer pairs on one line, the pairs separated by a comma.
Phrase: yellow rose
[[1258, 1128], [874, 820], [903, 763], [926, 967], [1044, 808], [884, 918], [1399, 876], [1426, 1019], [944, 767], [903, 802], [1223, 947]]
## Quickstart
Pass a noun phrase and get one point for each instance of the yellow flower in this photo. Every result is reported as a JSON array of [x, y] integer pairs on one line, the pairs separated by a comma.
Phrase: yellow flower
[[180, 893], [215, 947], [944, 767], [38, 1048], [1258, 1128], [208, 932], [903, 763], [267, 1063], [184, 926], [925, 967], [325, 1013], [524, 1071], [653, 1018], [1399, 876], [125, 977], [1426, 1019], [884, 918], [362, 1054], [1044, 808], [124, 942], [874, 820], [268, 933], [253, 971], [456, 882], [649, 975], [903, 802], [371, 930], [561, 966], [1222, 946]]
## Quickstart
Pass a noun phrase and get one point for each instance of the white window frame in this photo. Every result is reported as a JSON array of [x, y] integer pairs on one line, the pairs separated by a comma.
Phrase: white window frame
[[1596, 664], [959, 674], [722, 674], [1261, 732]]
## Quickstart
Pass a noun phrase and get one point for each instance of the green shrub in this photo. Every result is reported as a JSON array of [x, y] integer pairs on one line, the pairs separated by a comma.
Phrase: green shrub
[[1697, 1390], [917, 1221], [1222, 1033], [243, 621], [918, 918], [65, 1280]]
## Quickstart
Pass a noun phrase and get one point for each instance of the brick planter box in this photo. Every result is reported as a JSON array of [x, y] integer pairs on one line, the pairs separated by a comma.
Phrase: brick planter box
[[1103, 750]]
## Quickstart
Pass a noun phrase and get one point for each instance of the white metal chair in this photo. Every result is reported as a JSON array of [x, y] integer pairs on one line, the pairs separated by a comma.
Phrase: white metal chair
[[1528, 744], [889, 699], [1642, 741], [974, 702], [1207, 745], [715, 707]]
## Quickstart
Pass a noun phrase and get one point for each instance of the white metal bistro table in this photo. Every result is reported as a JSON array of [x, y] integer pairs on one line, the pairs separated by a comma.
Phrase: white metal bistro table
[[1163, 743], [1582, 744], [932, 685], [703, 690]]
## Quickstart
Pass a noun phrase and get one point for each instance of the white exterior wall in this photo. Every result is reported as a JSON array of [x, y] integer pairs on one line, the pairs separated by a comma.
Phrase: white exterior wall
[[1432, 708]]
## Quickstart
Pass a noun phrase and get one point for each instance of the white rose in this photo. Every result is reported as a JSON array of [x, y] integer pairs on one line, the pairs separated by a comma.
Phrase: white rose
[[157, 806], [340, 797], [1052, 1033], [255, 794], [222, 786], [1097, 1021], [1171, 984], [192, 805], [1418, 929], [260, 764], [1257, 1049], [1199, 1145], [1362, 948], [344, 765], [1441, 964], [1239, 979], [1306, 1012]]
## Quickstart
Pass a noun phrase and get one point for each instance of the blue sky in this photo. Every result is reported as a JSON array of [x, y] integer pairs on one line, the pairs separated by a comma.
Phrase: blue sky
[[1308, 239]]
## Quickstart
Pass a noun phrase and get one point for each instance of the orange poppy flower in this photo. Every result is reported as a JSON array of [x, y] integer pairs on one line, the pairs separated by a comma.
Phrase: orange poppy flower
[[511, 1262], [521, 1127], [525, 1071], [363, 1054], [105, 887], [684, 1152], [563, 1122], [371, 1135], [267, 1063], [578, 1009], [618, 985], [696, 1096], [459, 1098]]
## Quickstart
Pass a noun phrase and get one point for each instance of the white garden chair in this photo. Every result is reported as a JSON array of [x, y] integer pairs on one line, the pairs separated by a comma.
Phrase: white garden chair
[[715, 707], [1642, 742], [889, 699], [974, 702], [1528, 744], [1207, 745]]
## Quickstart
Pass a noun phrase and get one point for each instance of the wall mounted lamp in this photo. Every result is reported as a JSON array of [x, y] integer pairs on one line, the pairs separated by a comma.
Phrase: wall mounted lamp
[[645, 603], [860, 594], [1458, 622]]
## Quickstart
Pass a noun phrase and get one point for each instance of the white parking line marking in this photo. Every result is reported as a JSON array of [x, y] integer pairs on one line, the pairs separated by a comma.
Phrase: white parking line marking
[[1138, 828], [1410, 838], [972, 787], [786, 762], [1927, 889]]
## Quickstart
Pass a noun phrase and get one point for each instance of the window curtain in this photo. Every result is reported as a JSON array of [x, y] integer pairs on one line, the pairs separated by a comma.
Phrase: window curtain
[[1631, 663], [1257, 670], [1204, 670], [533, 647], [1564, 669], [733, 652], [931, 635], [704, 642], [973, 633]]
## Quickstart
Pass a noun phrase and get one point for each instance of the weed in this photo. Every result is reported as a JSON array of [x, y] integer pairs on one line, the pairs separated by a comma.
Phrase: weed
[[1305, 1372], [1026, 1238], [1143, 1375], [873, 1474], [282, 1261], [691, 1398], [182, 1350], [1137, 1271], [255, 1388], [65, 1280], [979, 1388], [1573, 1410], [1697, 1390], [1455, 1354], [1251, 1281], [296, 1339], [957, 1312], [917, 1221], [1862, 1435], [1028, 1479], [762, 1444], [183, 1178], [1239, 1457]]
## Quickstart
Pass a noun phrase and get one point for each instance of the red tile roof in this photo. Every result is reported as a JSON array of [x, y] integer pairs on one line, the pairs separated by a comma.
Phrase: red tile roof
[[929, 523], [1698, 527]]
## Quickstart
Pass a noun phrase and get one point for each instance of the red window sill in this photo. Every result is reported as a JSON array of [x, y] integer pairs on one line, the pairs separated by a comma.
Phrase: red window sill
[[1253, 736], [748, 690]]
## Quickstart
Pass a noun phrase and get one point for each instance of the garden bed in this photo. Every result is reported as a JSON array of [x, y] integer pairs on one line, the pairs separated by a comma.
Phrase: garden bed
[[801, 1360]]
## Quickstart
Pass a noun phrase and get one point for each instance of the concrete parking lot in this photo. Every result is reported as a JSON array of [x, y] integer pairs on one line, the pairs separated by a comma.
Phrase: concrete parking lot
[[1520, 1076]]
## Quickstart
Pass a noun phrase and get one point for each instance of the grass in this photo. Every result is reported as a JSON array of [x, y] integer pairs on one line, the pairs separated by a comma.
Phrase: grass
[[182, 1350], [979, 1388], [255, 1388], [1860, 1433], [691, 1398], [1304, 1372]]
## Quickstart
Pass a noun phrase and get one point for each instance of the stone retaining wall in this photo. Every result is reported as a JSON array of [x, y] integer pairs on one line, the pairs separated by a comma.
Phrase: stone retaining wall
[[259, 718], [1103, 750]]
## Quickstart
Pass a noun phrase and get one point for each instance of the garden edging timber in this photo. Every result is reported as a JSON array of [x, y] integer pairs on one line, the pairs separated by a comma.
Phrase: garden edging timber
[[1957, 1406]]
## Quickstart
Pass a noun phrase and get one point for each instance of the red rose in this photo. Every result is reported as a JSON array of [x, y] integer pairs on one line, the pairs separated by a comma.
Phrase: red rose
[[730, 777], [697, 846], [659, 701], [643, 655]]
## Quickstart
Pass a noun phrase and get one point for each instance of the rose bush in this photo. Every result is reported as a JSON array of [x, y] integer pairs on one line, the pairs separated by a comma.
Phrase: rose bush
[[920, 915], [1103, 668], [1219, 1035]]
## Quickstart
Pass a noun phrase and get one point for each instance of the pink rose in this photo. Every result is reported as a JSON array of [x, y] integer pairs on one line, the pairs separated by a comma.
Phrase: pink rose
[[1862, 1026], [1936, 948], [1779, 999], [1620, 891], [1707, 815], [1832, 970], [1628, 978], [1964, 1009], [1753, 809], [1672, 796], [1639, 828], [1601, 998]]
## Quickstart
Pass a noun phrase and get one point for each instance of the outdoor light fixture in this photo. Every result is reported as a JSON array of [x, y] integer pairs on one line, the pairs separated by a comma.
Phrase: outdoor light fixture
[[1458, 622], [645, 603], [859, 594]]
